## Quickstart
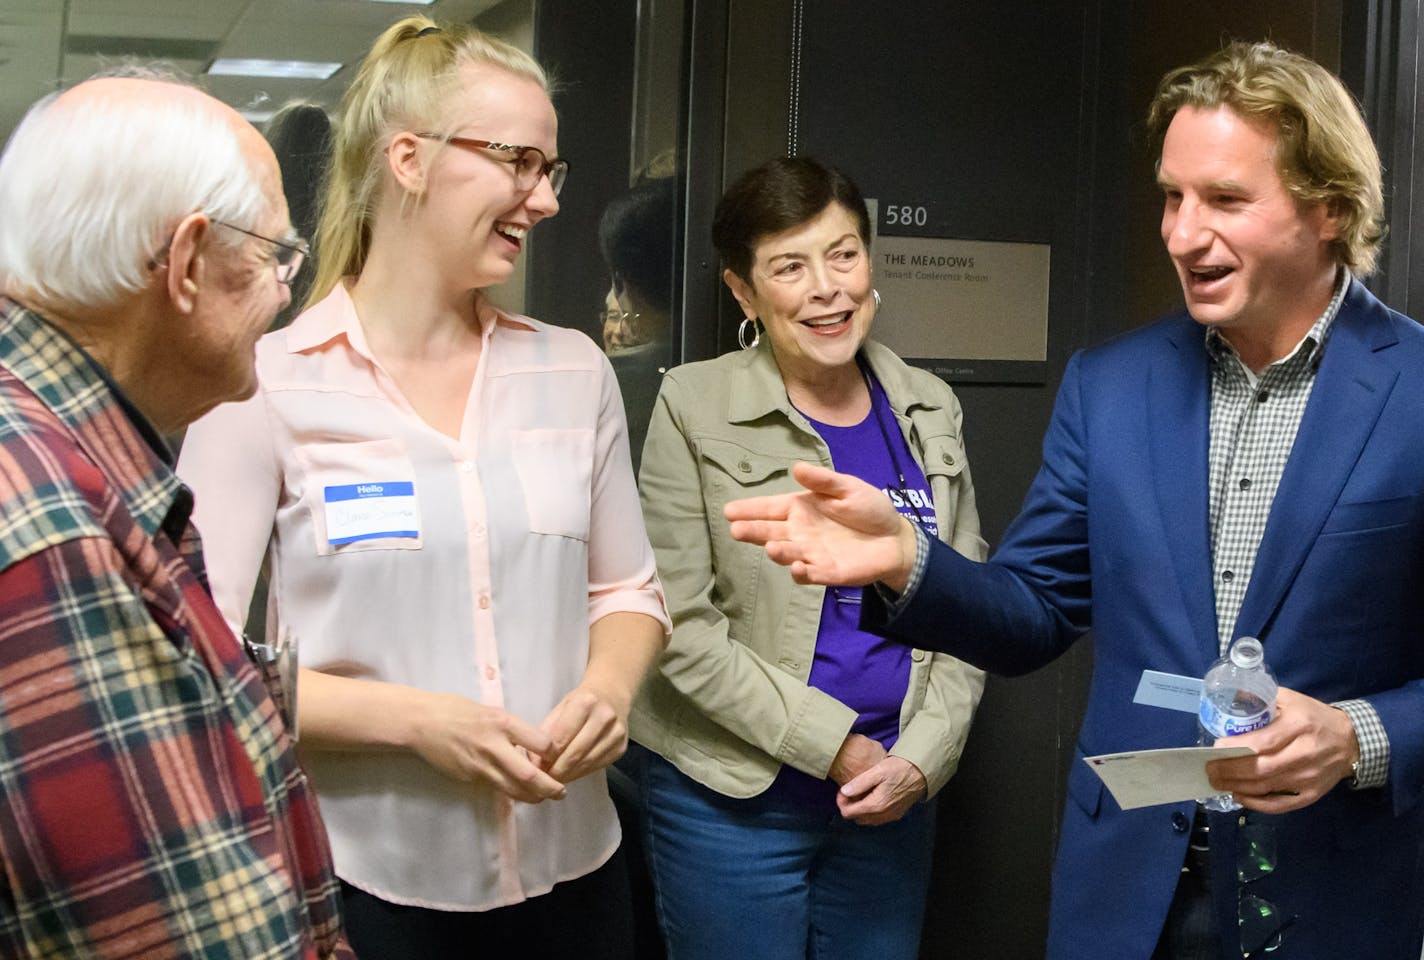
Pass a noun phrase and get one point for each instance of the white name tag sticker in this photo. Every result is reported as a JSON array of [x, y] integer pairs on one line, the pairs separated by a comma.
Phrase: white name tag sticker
[[1169, 690], [366, 511]]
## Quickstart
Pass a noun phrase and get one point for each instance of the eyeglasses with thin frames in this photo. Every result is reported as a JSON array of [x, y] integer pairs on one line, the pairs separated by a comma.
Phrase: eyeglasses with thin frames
[[529, 163], [289, 254], [616, 316]]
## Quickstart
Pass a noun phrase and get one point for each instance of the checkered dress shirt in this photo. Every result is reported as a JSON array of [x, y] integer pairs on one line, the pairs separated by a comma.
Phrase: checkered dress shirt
[[1254, 420], [151, 805]]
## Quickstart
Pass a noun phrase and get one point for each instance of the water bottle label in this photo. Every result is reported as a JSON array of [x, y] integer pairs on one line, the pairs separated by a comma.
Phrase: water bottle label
[[1223, 724], [1235, 725]]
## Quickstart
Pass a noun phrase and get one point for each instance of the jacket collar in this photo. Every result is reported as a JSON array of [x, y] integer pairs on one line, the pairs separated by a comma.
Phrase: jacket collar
[[1356, 376]]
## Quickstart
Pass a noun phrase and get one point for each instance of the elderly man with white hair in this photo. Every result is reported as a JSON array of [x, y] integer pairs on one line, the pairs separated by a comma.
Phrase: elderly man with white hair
[[151, 804]]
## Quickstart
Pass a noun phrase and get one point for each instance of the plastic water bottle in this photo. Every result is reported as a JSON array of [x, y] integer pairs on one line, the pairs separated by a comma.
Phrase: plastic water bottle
[[1238, 696]]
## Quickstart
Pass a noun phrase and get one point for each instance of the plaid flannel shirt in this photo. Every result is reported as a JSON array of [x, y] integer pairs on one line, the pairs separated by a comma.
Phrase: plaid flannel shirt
[[151, 804]]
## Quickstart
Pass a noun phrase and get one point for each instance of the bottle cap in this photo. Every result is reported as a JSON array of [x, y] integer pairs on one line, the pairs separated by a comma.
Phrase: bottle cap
[[1247, 653]]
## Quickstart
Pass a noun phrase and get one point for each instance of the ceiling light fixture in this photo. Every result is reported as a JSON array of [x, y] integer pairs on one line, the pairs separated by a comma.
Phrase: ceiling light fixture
[[289, 69]]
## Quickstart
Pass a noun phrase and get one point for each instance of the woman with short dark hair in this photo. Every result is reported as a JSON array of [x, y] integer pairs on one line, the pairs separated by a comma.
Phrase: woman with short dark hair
[[788, 807]]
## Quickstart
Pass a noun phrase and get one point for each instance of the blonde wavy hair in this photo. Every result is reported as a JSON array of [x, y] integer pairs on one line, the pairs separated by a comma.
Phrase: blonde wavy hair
[[404, 83], [1324, 150]]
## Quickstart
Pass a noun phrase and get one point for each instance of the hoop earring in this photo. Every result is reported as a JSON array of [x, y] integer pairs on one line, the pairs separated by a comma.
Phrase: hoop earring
[[876, 294], [748, 322]]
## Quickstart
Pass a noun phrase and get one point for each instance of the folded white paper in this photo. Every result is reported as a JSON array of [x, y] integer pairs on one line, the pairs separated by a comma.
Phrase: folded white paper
[[1141, 778]]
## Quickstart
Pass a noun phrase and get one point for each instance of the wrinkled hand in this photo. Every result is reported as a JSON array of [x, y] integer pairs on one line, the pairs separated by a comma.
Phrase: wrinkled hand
[[1300, 756], [841, 530], [469, 741], [857, 754], [588, 730], [883, 793]]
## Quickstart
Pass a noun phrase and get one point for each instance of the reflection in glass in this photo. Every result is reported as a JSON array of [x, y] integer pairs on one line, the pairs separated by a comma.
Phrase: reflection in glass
[[610, 265], [635, 236], [300, 135]]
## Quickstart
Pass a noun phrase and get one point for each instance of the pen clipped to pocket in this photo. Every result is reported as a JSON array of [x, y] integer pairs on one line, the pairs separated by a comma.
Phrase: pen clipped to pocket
[[277, 662]]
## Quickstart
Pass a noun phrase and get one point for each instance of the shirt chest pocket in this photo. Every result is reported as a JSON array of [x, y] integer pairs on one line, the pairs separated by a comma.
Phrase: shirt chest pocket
[[361, 495], [555, 468]]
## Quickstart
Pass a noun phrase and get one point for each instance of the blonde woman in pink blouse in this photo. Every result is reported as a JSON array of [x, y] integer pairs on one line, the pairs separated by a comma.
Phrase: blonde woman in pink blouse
[[444, 494]]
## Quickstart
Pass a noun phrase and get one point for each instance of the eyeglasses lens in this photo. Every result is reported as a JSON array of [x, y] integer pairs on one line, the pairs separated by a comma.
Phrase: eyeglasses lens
[[533, 165], [530, 166], [1261, 925], [558, 171], [1255, 852], [289, 263]]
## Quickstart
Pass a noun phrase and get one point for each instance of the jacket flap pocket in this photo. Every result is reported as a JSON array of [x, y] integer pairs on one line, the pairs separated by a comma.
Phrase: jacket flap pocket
[[1084, 786], [744, 466]]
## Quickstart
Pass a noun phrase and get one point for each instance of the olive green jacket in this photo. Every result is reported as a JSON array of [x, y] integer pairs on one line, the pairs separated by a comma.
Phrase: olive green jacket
[[730, 702]]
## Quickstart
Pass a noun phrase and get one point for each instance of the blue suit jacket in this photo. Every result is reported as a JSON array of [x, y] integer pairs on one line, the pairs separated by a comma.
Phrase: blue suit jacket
[[1113, 535]]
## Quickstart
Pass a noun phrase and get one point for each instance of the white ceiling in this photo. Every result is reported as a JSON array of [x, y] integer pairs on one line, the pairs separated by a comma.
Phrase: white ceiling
[[48, 44]]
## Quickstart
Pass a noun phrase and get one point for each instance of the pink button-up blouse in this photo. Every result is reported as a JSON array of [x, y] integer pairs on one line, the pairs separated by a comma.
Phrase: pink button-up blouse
[[471, 566]]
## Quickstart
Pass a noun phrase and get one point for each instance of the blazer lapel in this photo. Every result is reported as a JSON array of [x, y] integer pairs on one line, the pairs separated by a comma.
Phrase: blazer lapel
[[1350, 391], [1178, 400]]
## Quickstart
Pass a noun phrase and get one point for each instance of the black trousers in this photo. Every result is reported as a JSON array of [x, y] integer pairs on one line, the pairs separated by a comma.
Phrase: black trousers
[[1191, 931], [589, 918]]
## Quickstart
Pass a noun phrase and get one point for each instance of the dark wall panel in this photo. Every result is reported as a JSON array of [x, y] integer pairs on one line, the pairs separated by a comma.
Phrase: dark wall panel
[[589, 50], [1165, 36]]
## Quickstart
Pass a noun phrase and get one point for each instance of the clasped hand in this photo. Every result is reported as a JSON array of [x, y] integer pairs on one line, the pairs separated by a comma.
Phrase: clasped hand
[[875, 786], [465, 740], [588, 730]]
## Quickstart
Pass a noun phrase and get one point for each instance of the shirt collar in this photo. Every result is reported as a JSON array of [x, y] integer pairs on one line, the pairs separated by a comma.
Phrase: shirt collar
[[1311, 346], [334, 317], [78, 390]]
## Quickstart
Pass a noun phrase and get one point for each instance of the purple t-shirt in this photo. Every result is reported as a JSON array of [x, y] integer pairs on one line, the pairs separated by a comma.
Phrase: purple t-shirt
[[867, 673]]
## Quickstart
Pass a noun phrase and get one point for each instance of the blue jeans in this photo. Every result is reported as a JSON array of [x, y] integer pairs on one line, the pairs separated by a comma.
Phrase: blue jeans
[[759, 878]]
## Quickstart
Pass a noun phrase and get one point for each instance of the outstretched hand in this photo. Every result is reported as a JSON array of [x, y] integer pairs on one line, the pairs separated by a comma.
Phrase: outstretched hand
[[839, 531]]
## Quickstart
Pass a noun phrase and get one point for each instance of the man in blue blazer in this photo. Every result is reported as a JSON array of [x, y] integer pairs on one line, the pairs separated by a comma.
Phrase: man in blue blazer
[[1253, 466]]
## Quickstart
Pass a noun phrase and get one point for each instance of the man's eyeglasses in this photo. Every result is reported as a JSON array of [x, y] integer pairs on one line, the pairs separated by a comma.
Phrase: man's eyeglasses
[[289, 254], [529, 163]]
